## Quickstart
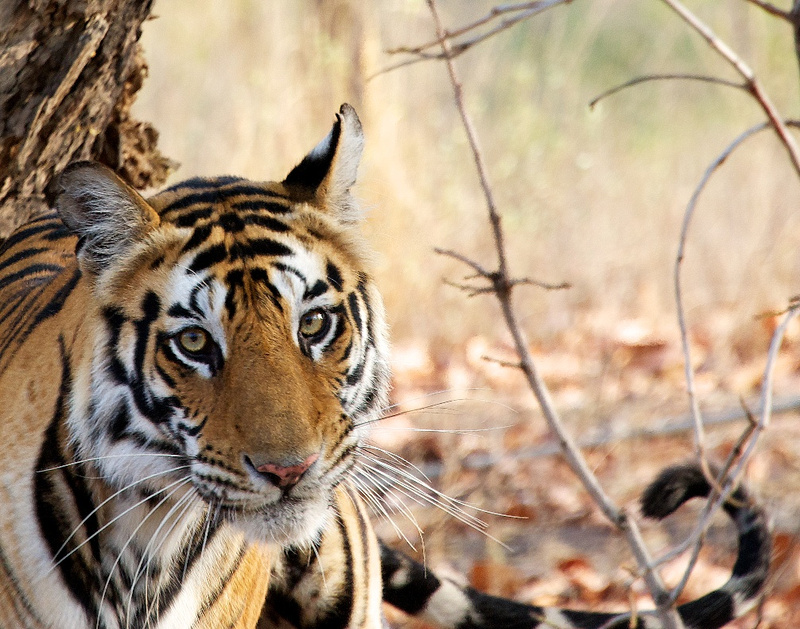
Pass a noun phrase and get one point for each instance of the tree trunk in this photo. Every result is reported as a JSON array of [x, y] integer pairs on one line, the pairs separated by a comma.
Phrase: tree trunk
[[69, 72]]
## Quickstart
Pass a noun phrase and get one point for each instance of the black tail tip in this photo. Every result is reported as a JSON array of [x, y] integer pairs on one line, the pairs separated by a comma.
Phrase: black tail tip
[[671, 488]]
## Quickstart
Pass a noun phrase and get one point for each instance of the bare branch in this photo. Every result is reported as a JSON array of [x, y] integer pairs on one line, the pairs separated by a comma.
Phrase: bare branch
[[795, 15], [746, 72], [494, 277], [503, 289], [665, 77], [687, 218], [523, 10], [462, 258], [731, 478], [602, 438], [493, 13], [526, 281], [694, 405], [502, 363], [772, 10]]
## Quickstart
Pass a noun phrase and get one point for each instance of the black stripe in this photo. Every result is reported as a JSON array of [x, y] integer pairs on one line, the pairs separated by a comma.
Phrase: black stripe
[[334, 276], [362, 289], [316, 290], [202, 183], [115, 319], [261, 205], [231, 223], [200, 235], [212, 597], [266, 247], [51, 224], [23, 324], [120, 422], [205, 259], [355, 311], [207, 197], [168, 379], [55, 305], [53, 510], [191, 552], [235, 281], [151, 309], [190, 219], [261, 277], [179, 311], [193, 304], [246, 189], [354, 377], [273, 224], [50, 269], [341, 612], [21, 255]]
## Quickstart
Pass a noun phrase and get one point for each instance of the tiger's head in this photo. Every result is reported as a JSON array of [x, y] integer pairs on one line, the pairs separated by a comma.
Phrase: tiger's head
[[236, 342]]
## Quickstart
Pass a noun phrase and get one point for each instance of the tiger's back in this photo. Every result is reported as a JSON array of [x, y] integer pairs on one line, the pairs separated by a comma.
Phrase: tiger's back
[[39, 275]]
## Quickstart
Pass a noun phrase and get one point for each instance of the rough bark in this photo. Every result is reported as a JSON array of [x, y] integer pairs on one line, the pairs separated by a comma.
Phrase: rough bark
[[69, 72]]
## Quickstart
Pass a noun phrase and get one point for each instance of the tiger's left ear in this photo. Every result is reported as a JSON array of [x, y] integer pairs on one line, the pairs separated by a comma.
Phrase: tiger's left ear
[[329, 170]]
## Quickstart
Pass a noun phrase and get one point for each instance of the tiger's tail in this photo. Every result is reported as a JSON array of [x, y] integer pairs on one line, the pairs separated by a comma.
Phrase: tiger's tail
[[413, 589]]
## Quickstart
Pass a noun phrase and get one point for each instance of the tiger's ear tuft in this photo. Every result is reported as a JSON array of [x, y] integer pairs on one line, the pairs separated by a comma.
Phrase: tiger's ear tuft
[[330, 169], [106, 214]]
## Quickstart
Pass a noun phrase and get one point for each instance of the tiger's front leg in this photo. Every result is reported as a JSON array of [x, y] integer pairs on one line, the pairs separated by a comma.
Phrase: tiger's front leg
[[335, 583]]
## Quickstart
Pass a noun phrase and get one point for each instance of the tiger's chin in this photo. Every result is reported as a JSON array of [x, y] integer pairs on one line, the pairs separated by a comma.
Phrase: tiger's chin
[[286, 523]]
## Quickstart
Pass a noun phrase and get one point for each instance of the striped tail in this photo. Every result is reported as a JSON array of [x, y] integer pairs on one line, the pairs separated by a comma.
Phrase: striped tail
[[414, 590]]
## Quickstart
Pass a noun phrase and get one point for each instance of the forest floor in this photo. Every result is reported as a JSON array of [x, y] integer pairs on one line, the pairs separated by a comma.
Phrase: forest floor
[[622, 394]]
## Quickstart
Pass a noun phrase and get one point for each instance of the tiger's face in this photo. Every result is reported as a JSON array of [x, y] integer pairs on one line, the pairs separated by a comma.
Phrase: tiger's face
[[238, 342]]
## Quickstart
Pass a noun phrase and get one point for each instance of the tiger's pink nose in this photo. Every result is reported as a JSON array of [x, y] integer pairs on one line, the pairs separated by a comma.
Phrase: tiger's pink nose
[[286, 476]]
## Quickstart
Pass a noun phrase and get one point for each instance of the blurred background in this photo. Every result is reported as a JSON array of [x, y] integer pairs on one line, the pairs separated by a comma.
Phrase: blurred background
[[592, 197]]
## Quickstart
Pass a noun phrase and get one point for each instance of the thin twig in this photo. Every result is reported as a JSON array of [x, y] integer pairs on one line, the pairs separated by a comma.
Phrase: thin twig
[[694, 404], [493, 13], [666, 428], [684, 334], [462, 258], [503, 289], [772, 9], [524, 11], [665, 77], [501, 362], [732, 479], [747, 74], [721, 479], [492, 277]]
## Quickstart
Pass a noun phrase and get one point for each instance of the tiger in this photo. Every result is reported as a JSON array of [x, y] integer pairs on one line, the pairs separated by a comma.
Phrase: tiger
[[187, 386]]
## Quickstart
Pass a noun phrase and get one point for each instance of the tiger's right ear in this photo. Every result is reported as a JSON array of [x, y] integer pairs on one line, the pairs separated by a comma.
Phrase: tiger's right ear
[[106, 214]]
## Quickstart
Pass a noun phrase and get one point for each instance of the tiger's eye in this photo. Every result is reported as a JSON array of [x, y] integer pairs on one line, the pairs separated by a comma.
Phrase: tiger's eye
[[313, 323], [194, 340]]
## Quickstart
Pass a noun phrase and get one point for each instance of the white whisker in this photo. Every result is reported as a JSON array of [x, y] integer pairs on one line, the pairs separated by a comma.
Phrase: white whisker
[[107, 457], [130, 539], [110, 522], [442, 495], [183, 503], [369, 494], [438, 499]]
